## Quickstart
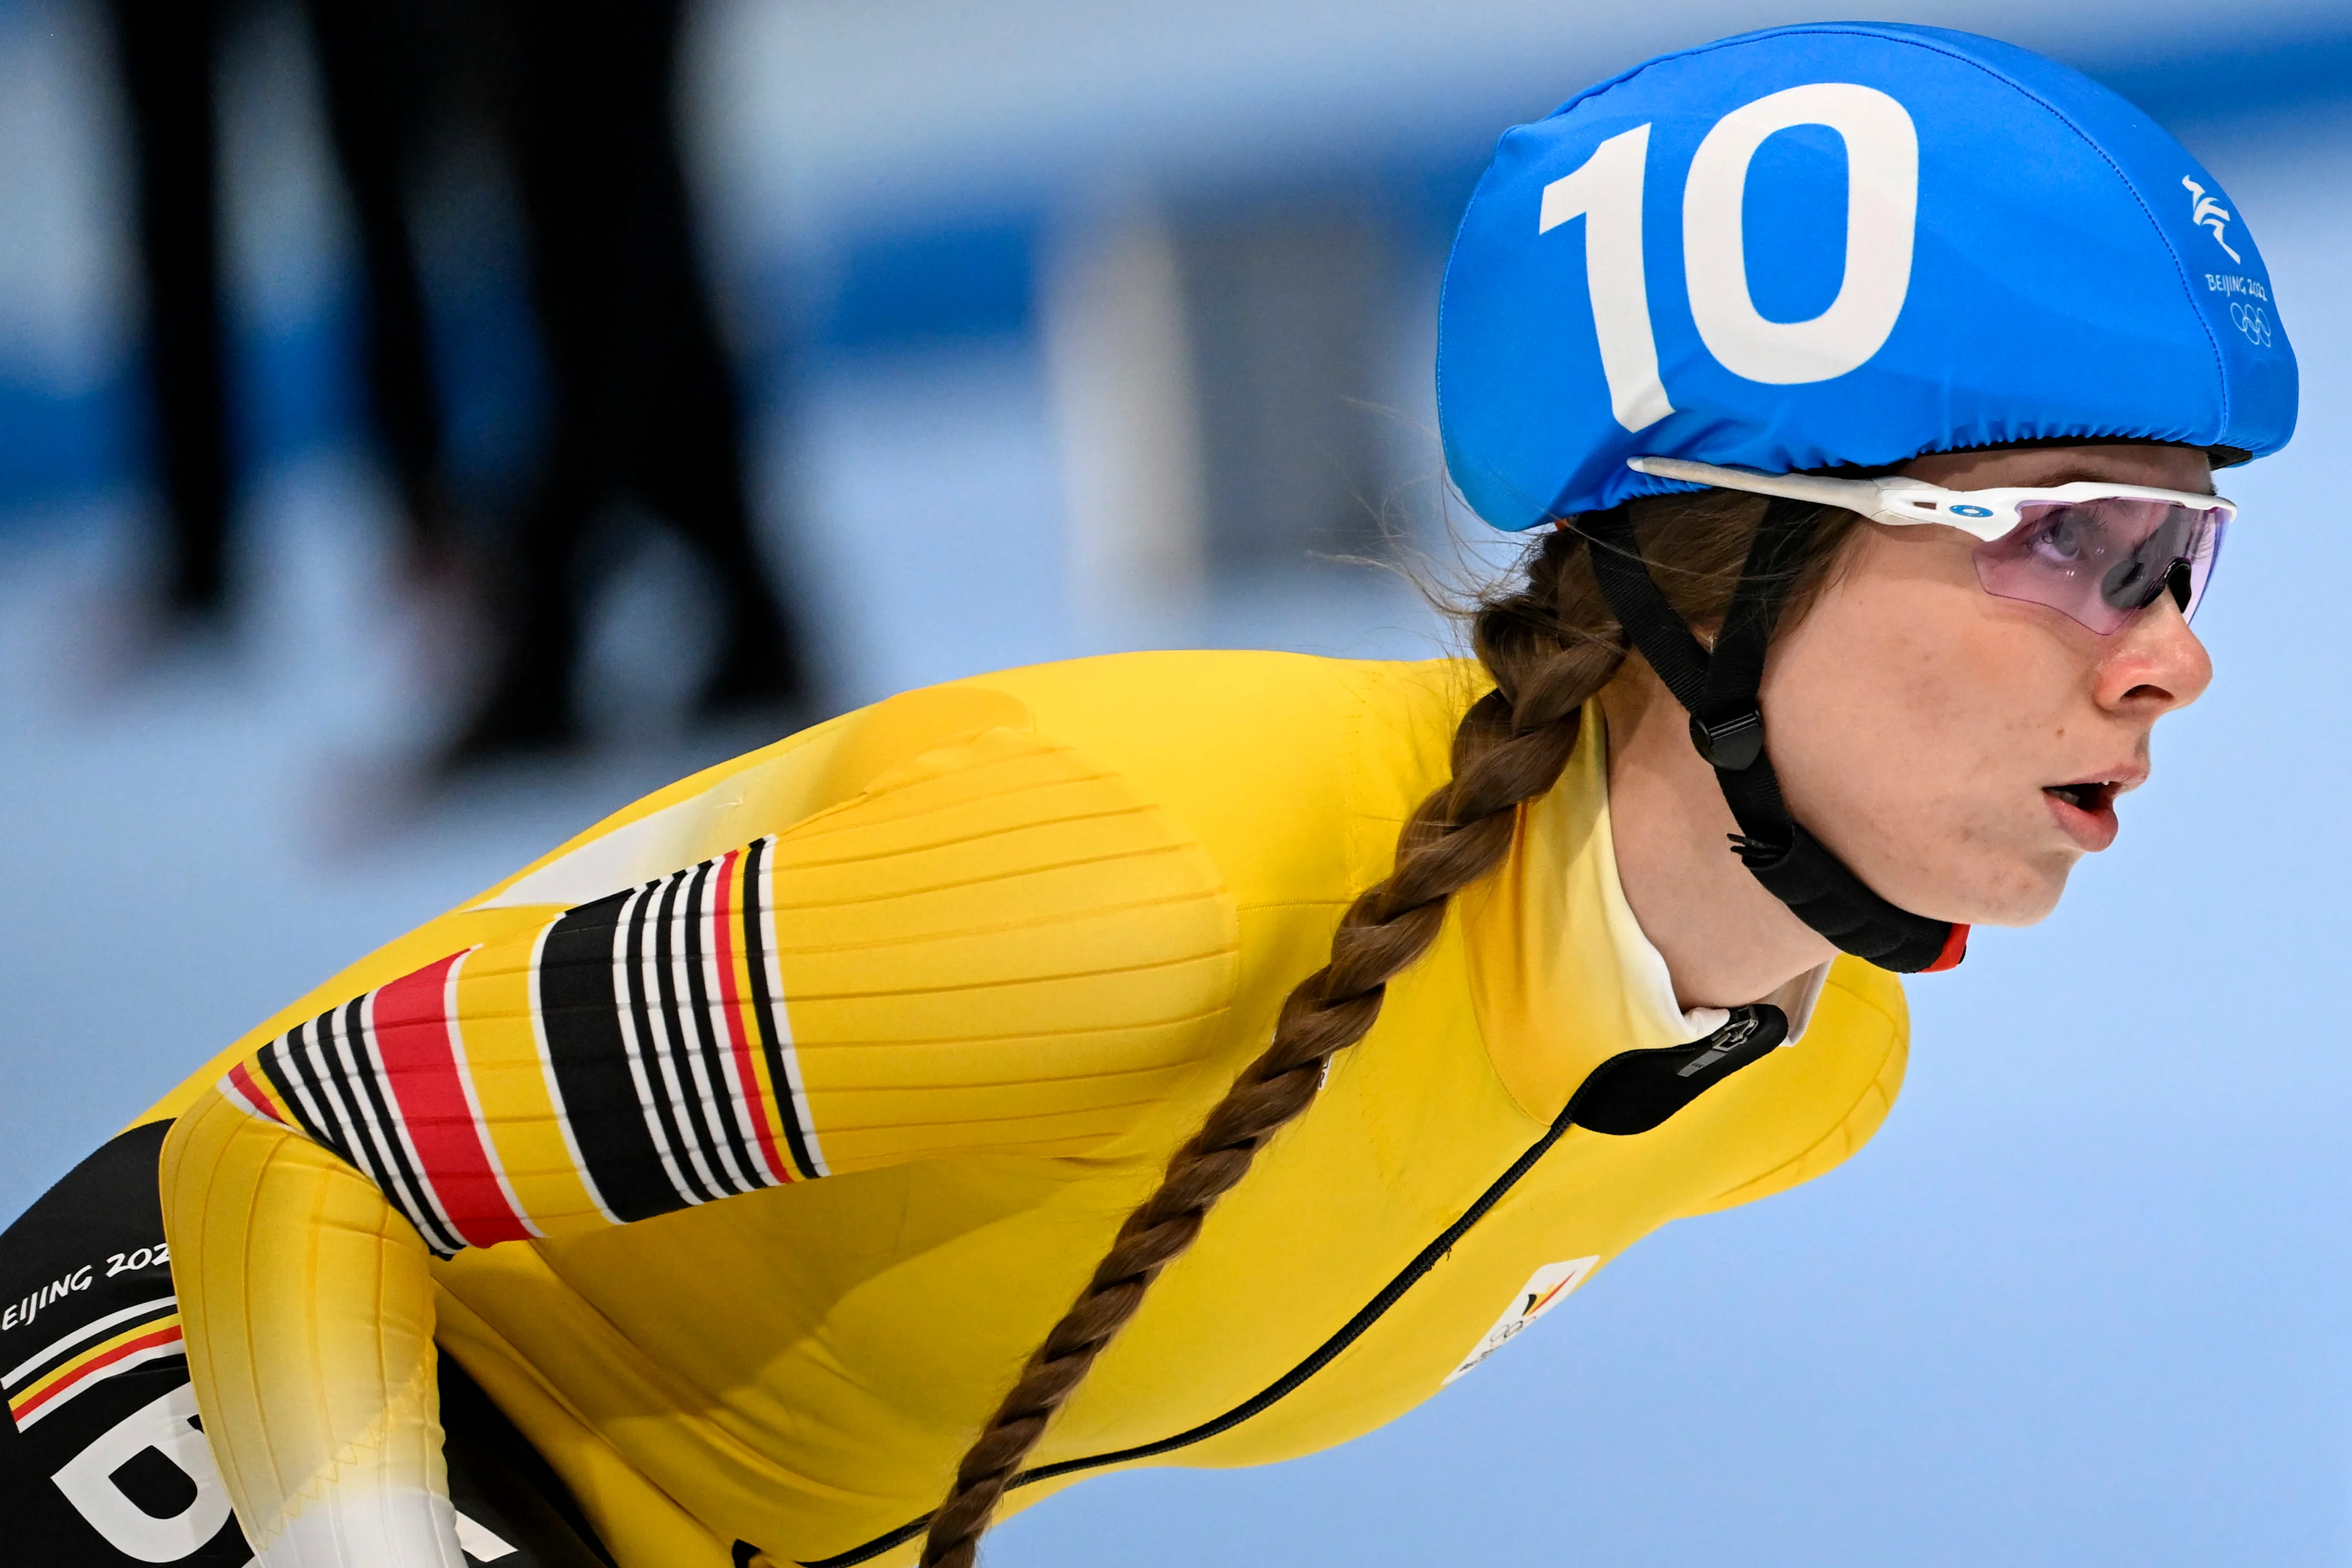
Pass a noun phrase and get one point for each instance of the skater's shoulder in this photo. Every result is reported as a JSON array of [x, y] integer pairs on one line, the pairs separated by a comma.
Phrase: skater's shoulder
[[1291, 770]]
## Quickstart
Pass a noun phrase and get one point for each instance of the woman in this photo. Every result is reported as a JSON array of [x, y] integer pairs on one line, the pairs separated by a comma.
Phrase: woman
[[1222, 1053]]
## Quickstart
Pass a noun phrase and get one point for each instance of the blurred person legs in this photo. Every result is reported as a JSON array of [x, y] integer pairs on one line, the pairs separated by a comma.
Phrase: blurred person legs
[[377, 63], [166, 52], [644, 406], [376, 58]]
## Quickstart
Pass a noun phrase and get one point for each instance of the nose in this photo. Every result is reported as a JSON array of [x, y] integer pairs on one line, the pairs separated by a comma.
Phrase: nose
[[2154, 665]]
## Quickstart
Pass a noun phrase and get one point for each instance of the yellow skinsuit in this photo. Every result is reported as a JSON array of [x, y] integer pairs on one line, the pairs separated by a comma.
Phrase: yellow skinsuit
[[760, 1179]]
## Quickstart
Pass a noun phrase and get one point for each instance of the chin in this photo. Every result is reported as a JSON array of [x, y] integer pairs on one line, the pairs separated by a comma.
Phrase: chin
[[2025, 898], [2017, 891]]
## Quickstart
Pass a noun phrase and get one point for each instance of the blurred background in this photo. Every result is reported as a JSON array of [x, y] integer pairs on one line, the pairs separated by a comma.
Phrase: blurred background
[[425, 425]]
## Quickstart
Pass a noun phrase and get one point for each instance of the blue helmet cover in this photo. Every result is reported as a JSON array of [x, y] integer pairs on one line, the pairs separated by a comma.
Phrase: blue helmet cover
[[1852, 243]]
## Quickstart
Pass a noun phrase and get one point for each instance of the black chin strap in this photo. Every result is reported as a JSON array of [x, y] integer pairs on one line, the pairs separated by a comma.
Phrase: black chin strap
[[1720, 691]]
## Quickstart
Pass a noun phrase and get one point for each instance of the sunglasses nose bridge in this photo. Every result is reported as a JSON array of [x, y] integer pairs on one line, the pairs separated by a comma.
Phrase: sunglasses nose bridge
[[2179, 579], [2177, 576]]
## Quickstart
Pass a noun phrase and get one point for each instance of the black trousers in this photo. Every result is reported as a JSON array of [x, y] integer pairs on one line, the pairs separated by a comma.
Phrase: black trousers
[[643, 407], [103, 1462], [379, 63]]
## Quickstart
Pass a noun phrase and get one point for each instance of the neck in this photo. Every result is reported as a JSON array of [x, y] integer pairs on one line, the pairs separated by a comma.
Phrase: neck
[[1726, 940]]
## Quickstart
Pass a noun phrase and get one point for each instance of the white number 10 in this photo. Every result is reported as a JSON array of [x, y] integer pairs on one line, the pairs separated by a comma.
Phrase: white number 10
[[1881, 149]]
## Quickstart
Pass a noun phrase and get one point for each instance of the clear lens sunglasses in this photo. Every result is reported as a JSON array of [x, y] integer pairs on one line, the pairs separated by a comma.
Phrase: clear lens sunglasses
[[2099, 554]]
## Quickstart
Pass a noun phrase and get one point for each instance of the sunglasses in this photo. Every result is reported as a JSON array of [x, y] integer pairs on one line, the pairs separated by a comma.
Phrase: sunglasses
[[2096, 552]]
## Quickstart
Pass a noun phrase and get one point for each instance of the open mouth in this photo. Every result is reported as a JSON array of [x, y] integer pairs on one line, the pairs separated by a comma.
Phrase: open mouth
[[2086, 810], [2092, 796]]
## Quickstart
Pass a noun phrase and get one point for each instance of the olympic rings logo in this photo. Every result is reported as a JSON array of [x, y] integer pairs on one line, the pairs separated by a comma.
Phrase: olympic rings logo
[[2252, 320]]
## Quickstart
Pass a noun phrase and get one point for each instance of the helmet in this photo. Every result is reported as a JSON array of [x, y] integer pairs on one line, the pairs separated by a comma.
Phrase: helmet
[[1838, 245], [1842, 242]]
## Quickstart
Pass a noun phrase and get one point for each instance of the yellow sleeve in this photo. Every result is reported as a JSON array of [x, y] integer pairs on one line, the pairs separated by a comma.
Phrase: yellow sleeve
[[996, 947], [307, 1317]]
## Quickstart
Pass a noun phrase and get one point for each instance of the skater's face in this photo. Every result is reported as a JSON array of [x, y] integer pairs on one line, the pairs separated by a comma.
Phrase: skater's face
[[1962, 751]]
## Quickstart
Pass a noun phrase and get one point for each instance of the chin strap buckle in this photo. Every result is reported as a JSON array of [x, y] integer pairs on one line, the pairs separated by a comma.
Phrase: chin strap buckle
[[1732, 746]]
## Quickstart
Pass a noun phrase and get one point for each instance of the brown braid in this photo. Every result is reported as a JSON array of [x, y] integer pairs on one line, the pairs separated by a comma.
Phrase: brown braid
[[1549, 643]]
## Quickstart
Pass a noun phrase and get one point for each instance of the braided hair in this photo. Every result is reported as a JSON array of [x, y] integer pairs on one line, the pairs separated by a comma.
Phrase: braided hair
[[1549, 641]]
